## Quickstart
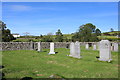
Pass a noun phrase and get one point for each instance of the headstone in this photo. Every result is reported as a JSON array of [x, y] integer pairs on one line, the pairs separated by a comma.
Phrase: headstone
[[72, 49], [75, 50], [116, 47], [112, 47], [39, 46], [31, 45], [52, 48], [105, 52], [87, 46], [94, 47]]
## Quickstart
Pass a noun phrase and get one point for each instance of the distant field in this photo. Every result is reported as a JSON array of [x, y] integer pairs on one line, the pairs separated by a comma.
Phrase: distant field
[[26, 63]]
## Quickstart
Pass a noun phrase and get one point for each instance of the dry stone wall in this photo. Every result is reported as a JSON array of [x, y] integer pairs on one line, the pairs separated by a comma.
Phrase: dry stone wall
[[34, 45], [30, 45]]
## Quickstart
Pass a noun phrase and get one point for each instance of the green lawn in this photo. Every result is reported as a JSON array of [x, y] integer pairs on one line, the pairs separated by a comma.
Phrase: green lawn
[[26, 63]]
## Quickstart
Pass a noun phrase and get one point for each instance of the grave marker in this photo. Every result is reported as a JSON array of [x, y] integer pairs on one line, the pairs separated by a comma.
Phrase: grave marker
[[105, 52], [39, 46], [52, 48]]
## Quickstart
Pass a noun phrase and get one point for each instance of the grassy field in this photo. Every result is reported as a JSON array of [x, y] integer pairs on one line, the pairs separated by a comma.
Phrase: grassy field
[[26, 63]]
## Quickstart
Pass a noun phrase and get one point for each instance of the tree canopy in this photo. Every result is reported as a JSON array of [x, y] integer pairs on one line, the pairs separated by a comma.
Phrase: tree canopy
[[5, 33], [59, 36], [86, 33]]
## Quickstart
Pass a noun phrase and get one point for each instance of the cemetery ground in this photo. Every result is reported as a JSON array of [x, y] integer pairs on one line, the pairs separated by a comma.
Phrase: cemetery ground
[[30, 63]]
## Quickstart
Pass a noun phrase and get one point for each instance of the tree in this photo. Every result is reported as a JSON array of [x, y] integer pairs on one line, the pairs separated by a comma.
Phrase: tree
[[6, 33], [111, 29], [59, 36], [47, 38], [98, 32], [86, 33]]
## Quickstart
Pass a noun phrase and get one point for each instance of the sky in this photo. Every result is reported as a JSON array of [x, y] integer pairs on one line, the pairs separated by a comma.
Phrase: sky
[[47, 17]]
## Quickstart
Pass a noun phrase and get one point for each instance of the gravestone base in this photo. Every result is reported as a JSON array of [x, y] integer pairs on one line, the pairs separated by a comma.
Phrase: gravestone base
[[101, 59], [51, 53], [77, 57], [70, 55]]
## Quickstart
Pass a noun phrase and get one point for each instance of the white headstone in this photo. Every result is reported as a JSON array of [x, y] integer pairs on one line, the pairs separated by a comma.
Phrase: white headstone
[[72, 49], [87, 46], [105, 52], [39, 46], [112, 47], [52, 48], [116, 47], [75, 50], [94, 47]]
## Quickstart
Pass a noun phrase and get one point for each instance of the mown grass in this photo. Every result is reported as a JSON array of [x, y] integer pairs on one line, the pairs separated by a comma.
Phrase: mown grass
[[28, 63]]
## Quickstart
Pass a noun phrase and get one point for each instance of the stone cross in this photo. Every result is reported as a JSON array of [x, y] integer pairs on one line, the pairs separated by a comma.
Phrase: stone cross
[[87, 46], [51, 48], [105, 52], [39, 46]]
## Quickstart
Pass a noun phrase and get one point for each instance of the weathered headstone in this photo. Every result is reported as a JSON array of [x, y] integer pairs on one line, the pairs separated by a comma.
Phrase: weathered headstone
[[39, 46], [52, 48], [75, 50], [87, 46], [112, 47], [105, 52], [116, 47], [94, 47], [31, 45], [72, 49]]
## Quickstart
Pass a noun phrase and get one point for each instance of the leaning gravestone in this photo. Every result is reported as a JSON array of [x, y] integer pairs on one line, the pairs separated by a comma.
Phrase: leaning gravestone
[[51, 48], [75, 50], [87, 46], [39, 46], [105, 52], [116, 47]]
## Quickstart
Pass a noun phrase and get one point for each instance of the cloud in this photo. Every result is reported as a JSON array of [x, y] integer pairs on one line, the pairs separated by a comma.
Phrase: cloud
[[20, 8]]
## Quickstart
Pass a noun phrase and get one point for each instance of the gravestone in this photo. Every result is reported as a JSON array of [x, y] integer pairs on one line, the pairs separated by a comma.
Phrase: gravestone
[[51, 48], [72, 49], [39, 46], [75, 50], [116, 47], [112, 47], [87, 46], [94, 47], [105, 52], [31, 45]]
